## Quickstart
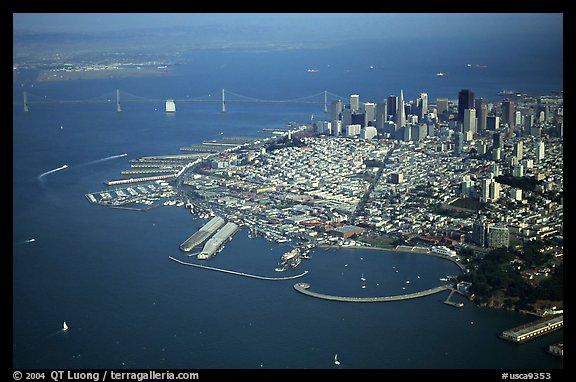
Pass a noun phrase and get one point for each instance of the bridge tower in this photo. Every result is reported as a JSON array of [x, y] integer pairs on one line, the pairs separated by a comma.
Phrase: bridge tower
[[26, 102], [223, 101], [118, 108], [325, 101]]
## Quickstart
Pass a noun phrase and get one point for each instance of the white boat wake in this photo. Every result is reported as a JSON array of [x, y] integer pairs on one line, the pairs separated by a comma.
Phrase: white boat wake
[[51, 171], [103, 159], [27, 241]]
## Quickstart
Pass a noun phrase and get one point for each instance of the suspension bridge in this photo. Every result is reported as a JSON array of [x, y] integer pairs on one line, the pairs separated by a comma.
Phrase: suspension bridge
[[222, 97]]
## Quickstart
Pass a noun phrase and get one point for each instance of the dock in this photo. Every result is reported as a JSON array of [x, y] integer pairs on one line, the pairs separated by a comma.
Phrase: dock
[[533, 329], [202, 234], [304, 288], [216, 242], [452, 303]]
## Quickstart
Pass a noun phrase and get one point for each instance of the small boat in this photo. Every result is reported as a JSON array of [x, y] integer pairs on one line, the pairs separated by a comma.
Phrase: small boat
[[439, 74], [336, 362], [64, 326], [61, 127], [363, 286]]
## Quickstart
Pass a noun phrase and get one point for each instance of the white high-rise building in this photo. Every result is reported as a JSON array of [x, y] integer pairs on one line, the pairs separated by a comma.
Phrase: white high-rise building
[[368, 132], [540, 151], [401, 113], [370, 110], [354, 102], [470, 120], [516, 193], [485, 190], [494, 191], [423, 103], [519, 150], [467, 185]]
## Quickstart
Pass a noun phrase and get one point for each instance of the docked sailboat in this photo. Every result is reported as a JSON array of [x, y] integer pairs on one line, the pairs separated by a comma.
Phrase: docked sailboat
[[362, 278], [336, 362], [64, 326]]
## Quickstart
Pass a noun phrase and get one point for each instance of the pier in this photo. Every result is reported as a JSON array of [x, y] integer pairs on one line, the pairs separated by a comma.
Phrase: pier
[[305, 289], [533, 329], [202, 234], [452, 303], [238, 273]]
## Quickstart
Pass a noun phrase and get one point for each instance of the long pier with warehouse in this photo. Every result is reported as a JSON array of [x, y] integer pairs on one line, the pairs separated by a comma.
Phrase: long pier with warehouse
[[202, 234], [534, 329], [216, 242]]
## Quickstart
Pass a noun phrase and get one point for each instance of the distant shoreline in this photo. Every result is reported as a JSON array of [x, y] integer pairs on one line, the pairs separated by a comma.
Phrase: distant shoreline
[[52, 76]]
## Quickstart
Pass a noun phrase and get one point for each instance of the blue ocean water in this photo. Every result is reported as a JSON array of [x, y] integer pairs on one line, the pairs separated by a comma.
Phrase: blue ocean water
[[107, 273]]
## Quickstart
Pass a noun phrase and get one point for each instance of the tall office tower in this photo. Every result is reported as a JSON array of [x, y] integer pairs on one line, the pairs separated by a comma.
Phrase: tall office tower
[[336, 110], [497, 140], [337, 128], [465, 101], [517, 118], [346, 117], [354, 102], [494, 191], [518, 151], [518, 171], [497, 236], [492, 122], [481, 114], [392, 103], [528, 123], [496, 169], [422, 105], [441, 105], [419, 132], [406, 133], [508, 112], [431, 130], [479, 229], [370, 110], [390, 128], [359, 118], [496, 153], [401, 114], [470, 121], [466, 185], [485, 190], [381, 114], [458, 142], [324, 127], [481, 147], [540, 151]]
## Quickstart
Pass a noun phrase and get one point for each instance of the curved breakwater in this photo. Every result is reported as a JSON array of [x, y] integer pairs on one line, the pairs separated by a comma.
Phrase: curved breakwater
[[238, 273]]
